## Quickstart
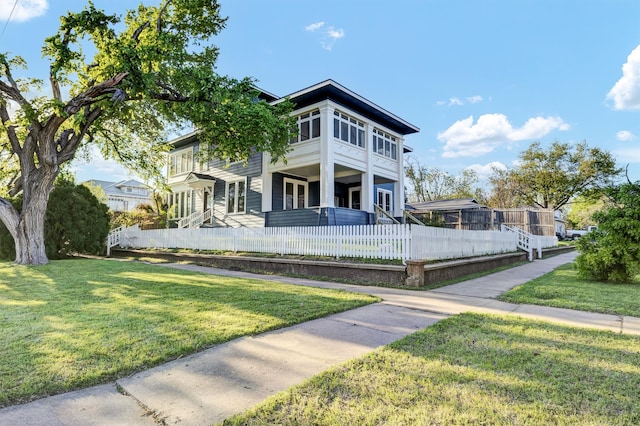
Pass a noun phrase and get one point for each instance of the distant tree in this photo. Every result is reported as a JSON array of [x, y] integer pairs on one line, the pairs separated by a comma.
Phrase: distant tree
[[432, 183], [612, 252], [550, 178], [152, 72], [503, 194], [97, 191], [581, 210]]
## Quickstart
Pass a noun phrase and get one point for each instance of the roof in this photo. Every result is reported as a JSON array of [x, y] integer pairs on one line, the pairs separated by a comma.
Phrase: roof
[[115, 188], [444, 205], [329, 89]]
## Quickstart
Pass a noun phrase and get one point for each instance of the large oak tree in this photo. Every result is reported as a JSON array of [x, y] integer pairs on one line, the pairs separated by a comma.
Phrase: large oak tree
[[150, 72]]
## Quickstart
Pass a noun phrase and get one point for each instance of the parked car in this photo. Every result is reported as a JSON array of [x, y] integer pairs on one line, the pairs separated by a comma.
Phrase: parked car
[[574, 234]]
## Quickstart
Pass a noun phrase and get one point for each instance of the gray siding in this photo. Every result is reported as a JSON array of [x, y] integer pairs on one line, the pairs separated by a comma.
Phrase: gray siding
[[325, 216]]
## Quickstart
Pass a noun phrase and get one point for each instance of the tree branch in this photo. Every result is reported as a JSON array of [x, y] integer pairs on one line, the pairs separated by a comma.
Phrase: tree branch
[[11, 130], [73, 141], [141, 28], [159, 20]]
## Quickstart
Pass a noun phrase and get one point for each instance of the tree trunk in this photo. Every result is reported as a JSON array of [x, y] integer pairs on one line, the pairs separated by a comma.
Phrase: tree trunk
[[29, 238], [29, 232]]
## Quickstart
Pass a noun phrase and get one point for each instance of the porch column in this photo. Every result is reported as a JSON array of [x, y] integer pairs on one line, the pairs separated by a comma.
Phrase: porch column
[[367, 197], [327, 179], [398, 189], [267, 183]]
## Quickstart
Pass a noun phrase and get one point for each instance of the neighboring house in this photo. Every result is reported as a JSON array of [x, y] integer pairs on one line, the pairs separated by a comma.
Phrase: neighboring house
[[347, 158], [124, 196], [560, 225]]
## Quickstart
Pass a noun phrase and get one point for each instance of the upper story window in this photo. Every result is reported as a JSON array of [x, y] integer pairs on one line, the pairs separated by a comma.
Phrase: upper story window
[[385, 144], [181, 162], [348, 129], [308, 126]]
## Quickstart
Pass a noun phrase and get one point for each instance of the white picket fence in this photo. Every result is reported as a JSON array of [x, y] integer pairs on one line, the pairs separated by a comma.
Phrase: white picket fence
[[398, 241]]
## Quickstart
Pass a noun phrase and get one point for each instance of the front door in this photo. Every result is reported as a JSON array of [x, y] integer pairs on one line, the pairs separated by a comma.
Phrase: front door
[[354, 198], [296, 194], [384, 200]]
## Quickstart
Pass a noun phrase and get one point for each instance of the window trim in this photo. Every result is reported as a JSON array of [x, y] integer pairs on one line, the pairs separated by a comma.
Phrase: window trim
[[344, 130], [381, 140], [314, 130], [173, 171], [351, 191], [236, 201], [296, 183], [385, 192]]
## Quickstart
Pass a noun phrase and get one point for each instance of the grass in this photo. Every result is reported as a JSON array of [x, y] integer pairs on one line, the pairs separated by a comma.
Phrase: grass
[[81, 322], [563, 288], [473, 369]]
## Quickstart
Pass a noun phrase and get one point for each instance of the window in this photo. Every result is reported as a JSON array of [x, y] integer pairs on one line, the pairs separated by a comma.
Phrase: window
[[348, 129], [385, 144], [308, 126], [181, 162], [296, 194], [236, 196], [384, 200], [180, 204]]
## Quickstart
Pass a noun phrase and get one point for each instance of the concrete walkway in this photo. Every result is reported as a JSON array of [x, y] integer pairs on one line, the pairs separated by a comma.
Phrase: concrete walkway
[[227, 379]]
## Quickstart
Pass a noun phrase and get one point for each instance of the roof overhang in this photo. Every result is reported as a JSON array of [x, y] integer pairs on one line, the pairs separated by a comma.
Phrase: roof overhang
[[198, 180], [329, 89]]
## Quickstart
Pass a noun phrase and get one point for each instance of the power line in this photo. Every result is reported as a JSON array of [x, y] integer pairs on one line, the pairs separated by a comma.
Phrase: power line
[[9, 18]]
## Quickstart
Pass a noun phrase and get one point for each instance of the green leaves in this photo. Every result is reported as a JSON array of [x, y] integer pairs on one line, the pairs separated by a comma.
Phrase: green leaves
[[550, 178], [612, 252]]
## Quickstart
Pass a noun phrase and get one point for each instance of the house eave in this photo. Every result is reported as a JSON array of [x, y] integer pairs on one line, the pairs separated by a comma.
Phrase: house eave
[[329, 89]]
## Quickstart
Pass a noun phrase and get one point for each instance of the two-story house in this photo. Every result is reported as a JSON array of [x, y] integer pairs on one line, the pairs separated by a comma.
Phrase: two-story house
[[125, 195], [346, 160]]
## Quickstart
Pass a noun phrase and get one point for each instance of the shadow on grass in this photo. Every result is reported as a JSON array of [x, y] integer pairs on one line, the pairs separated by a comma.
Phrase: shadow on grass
[[474, 369], [76, 323]]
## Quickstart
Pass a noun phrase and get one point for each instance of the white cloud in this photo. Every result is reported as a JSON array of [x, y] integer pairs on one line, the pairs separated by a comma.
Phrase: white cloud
[[628, 155], [97, 167], [331, 36], [625, 135], [459, 102], [466, 139], [313, 27], [23, 11], [625, 94], [485, 171]]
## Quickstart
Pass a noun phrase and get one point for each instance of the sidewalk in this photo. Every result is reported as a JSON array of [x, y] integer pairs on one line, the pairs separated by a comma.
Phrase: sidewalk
[[227, 379]]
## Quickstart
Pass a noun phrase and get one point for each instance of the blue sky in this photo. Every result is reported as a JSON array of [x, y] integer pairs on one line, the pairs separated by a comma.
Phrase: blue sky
[[481, 79]]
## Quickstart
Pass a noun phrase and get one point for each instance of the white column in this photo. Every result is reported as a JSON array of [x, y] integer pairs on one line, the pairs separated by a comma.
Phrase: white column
[[398, 202], [327, 179], [267, 183], [366, 194]]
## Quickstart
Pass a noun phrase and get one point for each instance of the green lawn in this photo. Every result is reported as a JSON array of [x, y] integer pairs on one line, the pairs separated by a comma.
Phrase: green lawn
[[563, 289], [473, 369], [79, 322]]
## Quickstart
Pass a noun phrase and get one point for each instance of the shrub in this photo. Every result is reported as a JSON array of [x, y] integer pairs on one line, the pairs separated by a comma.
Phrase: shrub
[[75, 222], [612, 252]]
